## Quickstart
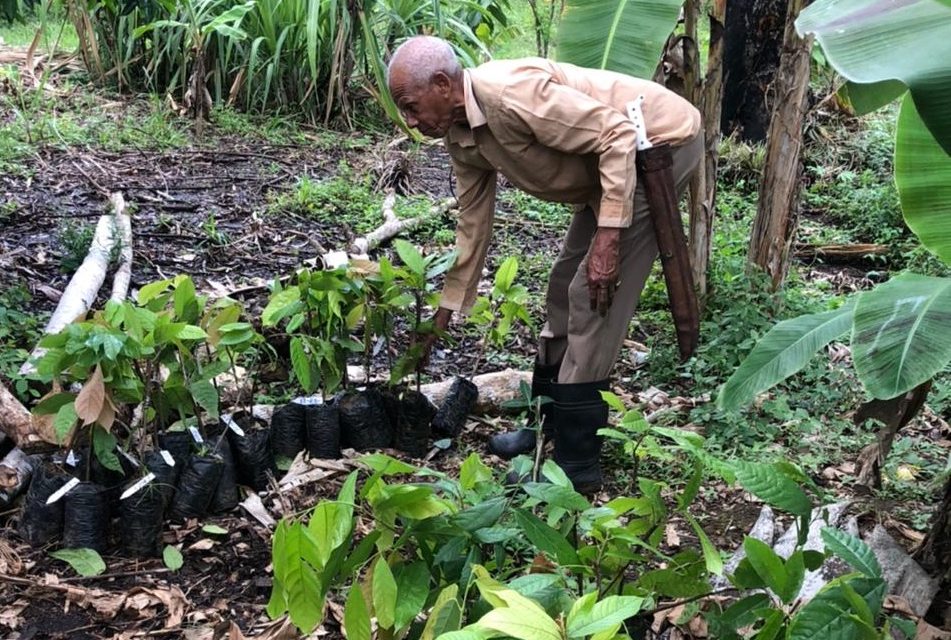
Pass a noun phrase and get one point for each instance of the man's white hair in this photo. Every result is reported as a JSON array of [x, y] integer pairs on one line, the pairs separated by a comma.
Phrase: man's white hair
[[423, 56]]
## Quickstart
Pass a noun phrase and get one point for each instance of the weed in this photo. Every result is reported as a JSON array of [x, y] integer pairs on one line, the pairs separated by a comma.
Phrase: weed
[[19, 332], [343, 199], [74, 240], [215, 236]]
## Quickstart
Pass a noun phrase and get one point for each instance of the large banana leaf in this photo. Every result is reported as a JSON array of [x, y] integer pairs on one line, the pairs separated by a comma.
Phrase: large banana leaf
[[620, 35], [923, 176], [783, 351], [870, 41], [900, 336]]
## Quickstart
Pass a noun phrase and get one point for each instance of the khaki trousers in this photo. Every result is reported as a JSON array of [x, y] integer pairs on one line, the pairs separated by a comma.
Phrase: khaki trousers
[[586, 343]]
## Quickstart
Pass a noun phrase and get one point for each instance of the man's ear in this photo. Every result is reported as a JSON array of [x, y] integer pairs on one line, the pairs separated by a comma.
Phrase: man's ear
[[442, 84]]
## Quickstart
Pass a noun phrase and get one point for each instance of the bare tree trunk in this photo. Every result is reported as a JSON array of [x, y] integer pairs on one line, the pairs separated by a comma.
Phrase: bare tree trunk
[[777, 213], [934, 555], [703, 187], [754, 37]]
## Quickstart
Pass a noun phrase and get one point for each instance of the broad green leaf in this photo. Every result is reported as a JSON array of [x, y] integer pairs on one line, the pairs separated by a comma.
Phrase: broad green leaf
[[356, 617], [923, 177], [505, 276], [214, 529], [412, 587], [619, 35], [85, 562], [829, 614], [292, 544], [104, 445], [545, 538], [603, 615], [711, 556], [866, 98], [330, 525], [152, 290], [473, 471], [64, 421], [742, 612], [557, 496], [206, 395], [870, 41], [384, 594], [853, 550], [172, 558], [410, 256], [787, 348], [445, 616], [795, 574], [901, 334], [772, 487], [301, 363], [766, 563], [191, 332], [522, 618], [484, 514], [279, 306], [386, 465]]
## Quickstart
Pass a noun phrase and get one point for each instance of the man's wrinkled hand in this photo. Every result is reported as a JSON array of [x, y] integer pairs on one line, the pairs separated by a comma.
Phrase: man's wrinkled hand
[[603, 268], [426, 341]]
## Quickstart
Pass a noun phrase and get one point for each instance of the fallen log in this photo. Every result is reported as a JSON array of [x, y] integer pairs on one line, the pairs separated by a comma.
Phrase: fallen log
[[122, 236], [15, 471], [841, 253], [18, 423], [494, 389], [393, 226]]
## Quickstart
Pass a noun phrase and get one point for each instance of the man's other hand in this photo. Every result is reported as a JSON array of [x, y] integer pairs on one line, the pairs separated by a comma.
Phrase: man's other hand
[[603, 268], [440, 324]]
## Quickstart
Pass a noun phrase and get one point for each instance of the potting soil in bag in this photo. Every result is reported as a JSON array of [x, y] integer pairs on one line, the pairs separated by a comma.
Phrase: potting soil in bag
[[323, 430], [179, 443], [226, 496], [196, 487], [412, 418], [86, 517], [252, 454], [289, 430], [363, 420], [456, 406], [140, 515], [166, 475], [39, 522]]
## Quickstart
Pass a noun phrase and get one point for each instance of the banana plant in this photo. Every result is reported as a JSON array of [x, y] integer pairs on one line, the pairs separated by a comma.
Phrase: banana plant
[[900, 331]]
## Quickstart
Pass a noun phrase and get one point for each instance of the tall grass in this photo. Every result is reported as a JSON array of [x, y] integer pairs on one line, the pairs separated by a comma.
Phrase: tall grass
[[287, 56]]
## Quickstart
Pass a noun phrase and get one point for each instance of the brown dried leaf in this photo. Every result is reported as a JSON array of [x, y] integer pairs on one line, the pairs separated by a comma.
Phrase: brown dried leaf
[[202, 545], [671, 536], [10, 616], [926, 632], [108, 414], [91, 399]]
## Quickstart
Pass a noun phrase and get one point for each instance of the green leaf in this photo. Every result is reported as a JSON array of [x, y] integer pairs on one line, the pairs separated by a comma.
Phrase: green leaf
[[619, 35], [853, 550], [104, 445], [64, 421], [301, 363], [473, 471], [787, 348], [603, 615], [711, 556], [173, 558], [206, 395], [830, 615], [795, 574], [191, 332], [766, 563], [519, 618], [484, 514], [743, 612], [866, 98], [384, 594], [412, 588], [900, 337], [445, 616], [386, 465], [923, 178], [410, 256], [557, 496], [505, 276], [152, 290], [279, 306], [545, 538], [53, 403], [85, 562], [292, 545], [214, 529], [356, 617], [772, 487], [870, 41]]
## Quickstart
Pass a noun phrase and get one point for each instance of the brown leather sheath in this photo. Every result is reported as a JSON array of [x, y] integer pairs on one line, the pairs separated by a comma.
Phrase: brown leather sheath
[[654, 170]]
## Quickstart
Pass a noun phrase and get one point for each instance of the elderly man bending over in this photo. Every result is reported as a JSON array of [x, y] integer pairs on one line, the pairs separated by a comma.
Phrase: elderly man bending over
[[561, 133]]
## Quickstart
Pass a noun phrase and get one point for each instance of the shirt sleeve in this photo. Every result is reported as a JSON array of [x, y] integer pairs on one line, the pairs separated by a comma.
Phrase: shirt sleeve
[[476, 197], [571, 121]]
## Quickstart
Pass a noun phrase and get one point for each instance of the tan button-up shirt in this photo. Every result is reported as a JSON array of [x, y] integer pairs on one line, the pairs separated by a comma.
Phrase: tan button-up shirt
[[558, 132]]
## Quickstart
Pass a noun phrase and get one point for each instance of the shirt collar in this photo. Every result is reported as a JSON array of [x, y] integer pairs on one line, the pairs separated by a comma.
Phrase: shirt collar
[[474, 113]]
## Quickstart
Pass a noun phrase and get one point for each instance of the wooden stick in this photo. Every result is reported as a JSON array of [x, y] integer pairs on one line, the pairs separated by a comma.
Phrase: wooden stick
[[393, 226], [123, 235]]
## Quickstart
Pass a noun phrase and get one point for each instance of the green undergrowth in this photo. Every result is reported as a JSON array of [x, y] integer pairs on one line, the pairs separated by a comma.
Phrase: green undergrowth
[[19, 332]]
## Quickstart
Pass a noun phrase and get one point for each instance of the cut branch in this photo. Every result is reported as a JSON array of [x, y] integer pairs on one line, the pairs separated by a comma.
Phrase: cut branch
[[393, 226], [123, 236], [17, 422]]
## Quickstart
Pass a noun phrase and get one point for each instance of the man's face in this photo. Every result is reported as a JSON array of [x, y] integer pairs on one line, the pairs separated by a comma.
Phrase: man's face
[[426, 108]]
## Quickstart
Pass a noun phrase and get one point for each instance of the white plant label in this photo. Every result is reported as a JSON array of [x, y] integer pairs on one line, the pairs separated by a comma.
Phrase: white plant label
[[167, 457], [137, 486], [233, 425], [195, 435], [130, 458], [62, 491], [309, 401], [71, 458]]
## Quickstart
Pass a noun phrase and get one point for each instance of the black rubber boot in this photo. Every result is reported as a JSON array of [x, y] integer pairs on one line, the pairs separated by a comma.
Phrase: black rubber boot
[[579, 413], [512, 443]]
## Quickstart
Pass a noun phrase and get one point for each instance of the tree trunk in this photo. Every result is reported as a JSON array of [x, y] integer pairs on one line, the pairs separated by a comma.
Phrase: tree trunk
[[18, 423], [777, 213], [703, 187], [935, 552], [754, 37]]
